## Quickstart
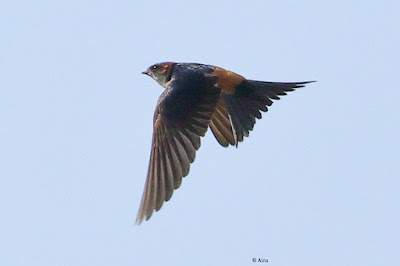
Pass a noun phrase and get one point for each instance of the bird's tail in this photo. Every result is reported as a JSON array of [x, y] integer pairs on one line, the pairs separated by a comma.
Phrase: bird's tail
[[250, 97]]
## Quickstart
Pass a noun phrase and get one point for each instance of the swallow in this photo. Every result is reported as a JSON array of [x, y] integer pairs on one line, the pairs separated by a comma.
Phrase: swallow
[[198, 97]]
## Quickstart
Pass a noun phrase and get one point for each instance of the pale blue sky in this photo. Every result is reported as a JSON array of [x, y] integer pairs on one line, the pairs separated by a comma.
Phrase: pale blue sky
[[317, 182]]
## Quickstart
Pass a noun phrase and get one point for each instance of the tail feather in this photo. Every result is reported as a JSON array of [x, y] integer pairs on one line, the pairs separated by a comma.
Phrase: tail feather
[[249, 99]]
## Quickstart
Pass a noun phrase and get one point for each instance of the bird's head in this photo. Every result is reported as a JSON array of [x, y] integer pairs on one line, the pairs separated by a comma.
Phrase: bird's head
[[161, 72]]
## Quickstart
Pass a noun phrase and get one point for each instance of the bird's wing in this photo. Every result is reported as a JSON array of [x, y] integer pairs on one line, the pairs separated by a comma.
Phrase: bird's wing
[[182, 116], [238, 108], [221, 125]]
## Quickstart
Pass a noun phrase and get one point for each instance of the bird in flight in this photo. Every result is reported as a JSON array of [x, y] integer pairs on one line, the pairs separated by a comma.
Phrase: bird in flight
[[196, 97]]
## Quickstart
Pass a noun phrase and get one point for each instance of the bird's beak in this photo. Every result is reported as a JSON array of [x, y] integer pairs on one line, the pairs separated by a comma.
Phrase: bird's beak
[[145, 72]]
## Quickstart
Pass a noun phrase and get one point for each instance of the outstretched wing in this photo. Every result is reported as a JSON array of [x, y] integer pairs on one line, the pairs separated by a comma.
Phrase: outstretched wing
[[182, 116], [238, 108]]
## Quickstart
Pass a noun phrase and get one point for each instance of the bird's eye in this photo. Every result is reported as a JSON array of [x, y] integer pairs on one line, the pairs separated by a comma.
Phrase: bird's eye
[[155, 67]]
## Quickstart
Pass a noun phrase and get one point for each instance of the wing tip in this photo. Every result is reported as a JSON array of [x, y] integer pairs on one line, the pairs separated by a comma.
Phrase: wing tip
[[142, 217]]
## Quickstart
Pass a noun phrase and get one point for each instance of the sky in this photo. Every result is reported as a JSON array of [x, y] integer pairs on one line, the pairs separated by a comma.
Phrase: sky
[[316, 183]]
